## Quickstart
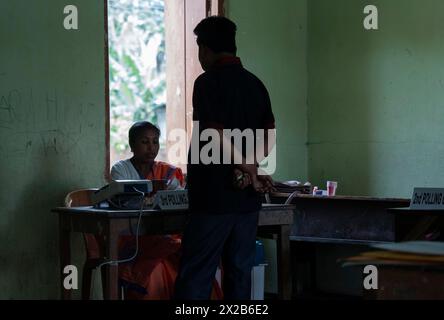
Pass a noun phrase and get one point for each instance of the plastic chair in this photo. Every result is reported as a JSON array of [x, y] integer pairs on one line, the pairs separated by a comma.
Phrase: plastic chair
[[81, 198]]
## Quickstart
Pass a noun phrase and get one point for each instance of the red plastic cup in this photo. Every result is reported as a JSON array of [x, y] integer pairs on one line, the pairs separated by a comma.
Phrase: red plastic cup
[[331, 188]]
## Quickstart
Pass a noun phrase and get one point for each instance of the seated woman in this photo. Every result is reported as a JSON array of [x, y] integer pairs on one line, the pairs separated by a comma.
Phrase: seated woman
[[151, 275], [144, 143]]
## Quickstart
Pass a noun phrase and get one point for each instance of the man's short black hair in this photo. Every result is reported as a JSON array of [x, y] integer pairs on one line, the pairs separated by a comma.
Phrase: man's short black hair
[[217, 33], [138, 128]]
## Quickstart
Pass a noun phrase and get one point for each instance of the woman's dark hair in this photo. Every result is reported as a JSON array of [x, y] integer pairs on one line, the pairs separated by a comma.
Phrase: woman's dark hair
[[138, 128], [217, 33]]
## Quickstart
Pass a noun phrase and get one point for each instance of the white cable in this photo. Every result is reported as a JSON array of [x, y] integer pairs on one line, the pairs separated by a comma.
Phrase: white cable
[[116, 262], [290, 198]]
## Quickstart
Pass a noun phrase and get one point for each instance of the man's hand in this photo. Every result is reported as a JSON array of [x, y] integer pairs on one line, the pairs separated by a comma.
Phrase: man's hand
[[268, 182], [241, 179], [250, 169], [261, 183]]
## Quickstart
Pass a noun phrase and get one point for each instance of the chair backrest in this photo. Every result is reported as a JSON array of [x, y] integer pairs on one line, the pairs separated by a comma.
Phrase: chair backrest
[[79, 198]]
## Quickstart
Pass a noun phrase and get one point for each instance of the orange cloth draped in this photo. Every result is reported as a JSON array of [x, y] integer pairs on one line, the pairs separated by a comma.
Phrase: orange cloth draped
[[152, 274]]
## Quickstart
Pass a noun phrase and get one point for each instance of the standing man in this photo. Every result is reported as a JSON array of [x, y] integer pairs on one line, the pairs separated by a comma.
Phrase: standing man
[[224, 198]]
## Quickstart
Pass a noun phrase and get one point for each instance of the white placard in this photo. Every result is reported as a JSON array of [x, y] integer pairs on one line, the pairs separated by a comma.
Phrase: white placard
[[427, 199], [171, 200]]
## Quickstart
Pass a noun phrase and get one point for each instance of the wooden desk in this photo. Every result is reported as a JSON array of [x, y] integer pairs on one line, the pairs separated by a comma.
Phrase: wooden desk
[[346, 219], [411, 280], [345, 223], [416, 212], [421, 282], [111, 223]]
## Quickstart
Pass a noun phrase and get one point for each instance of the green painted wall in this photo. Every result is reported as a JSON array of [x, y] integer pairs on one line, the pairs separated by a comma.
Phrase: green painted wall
[[376, 98], [373, 122], [52, 133], [272, 40]]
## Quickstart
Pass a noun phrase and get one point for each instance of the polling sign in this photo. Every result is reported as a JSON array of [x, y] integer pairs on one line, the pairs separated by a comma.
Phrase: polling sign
[[171, 200], [428, 199]]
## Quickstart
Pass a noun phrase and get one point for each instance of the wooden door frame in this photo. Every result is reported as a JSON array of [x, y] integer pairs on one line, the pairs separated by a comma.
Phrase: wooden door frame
[[180, 85], [107, 171]]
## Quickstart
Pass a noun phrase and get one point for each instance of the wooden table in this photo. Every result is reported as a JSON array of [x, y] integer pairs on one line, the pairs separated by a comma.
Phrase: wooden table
[[275, 219], [347, 219], [408, 282], [344, 224], [349, 222]]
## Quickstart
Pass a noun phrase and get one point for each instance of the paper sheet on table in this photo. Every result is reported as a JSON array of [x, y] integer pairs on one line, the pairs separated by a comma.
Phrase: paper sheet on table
[[414, 247]]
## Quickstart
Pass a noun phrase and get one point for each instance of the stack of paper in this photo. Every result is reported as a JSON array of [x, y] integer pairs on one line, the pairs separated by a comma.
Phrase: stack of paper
[[403, 253], [292, 186]]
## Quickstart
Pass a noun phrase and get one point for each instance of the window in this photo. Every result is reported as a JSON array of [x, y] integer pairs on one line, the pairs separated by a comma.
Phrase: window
[[152, 64]]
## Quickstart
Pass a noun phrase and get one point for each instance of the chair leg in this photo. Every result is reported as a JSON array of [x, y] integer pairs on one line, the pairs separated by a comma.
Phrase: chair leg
[[86, 281], [123, 293], [103, 275], [88, 268]]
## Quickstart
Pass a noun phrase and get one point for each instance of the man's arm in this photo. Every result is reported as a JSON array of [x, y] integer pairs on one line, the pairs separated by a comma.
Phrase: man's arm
[[249, 164]]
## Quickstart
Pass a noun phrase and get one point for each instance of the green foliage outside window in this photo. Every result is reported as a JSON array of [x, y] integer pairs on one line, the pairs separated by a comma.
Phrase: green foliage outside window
[[136, 67]]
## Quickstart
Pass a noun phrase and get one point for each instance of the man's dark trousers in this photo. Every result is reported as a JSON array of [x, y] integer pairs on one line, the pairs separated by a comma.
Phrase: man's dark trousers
[[207, 239]]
